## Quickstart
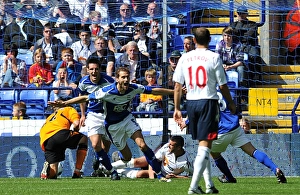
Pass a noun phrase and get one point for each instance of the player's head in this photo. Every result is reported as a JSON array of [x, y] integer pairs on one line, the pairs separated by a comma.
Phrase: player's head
[[176, 144], [201, 36], [122, 78], [93, 68], [19, 109]]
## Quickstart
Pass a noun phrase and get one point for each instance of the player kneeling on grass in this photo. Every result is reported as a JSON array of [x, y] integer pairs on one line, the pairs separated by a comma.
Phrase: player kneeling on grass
[[173, 159], [56, 137]]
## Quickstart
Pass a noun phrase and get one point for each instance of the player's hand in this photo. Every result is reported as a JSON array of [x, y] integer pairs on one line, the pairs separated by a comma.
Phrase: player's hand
[[232, 108], [182, 125]]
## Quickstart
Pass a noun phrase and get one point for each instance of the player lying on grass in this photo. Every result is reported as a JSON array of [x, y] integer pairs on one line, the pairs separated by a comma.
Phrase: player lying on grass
[[56, 137], [173, 159], [120, 123], [230, 132]]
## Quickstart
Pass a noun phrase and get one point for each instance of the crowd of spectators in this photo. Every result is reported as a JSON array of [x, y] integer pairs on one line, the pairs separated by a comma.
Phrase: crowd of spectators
[[61, 35]]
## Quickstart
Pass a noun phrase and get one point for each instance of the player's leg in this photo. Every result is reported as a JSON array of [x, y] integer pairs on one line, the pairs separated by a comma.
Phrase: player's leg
[[137, 136], [133, 163], [263, 158], [209, 184], [79, 141], [219, 146], [203, 131]]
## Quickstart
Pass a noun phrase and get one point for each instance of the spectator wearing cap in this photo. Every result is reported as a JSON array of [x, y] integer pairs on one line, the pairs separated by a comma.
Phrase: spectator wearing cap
[[23, 30], [246, 32], [84, 47], [173, 60]]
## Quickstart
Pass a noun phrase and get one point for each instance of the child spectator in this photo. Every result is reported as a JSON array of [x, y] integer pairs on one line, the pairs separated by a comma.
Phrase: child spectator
[[231, 54], [150, 102], [73, 67], [19, 111], [14, 69], [62, 81], [40, 73], [95, 27]]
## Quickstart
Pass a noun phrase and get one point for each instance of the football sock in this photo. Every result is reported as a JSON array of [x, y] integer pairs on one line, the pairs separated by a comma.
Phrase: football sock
[[80, 157], [264, 159], [152, 161], [222, 165], [200, 164], [104, 159], [207, 175]]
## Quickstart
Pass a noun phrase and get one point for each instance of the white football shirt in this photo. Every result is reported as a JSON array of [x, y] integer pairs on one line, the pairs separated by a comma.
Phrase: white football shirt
[[200, 70]]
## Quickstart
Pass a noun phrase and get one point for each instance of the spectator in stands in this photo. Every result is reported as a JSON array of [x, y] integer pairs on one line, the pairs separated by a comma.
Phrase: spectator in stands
[[230, 51], [291, 34], [173, 60], [146, 45], [135, 61], [19, 111], [95, 27], [22, 31], [139, 7], [40, 73], [80, 8], [51, 45], [44, 10], [14, 69], [101, 6], [247, 33], [188, 44], [83, 48], [150, 102], [73, 67], [121, 30], [106, 57], [244, 123], [62, 81], [65, 21]]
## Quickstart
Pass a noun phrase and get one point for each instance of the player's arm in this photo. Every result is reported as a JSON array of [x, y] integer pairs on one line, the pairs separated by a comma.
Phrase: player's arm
[[162, 91], [177, 98], [77, 100], [226, 94], [76, 125]]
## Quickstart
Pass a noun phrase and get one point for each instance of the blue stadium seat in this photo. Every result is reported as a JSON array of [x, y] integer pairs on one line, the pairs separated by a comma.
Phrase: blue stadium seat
[[36, 102], [7, 99], [215, 39], [173, 21], [233, 79]]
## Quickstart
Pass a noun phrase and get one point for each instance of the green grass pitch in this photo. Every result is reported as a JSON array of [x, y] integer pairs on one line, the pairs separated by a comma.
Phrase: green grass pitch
[[104, 186]]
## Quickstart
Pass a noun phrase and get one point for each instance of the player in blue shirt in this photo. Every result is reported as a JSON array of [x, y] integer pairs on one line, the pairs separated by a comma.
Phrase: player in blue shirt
[[120, 123], [230, 132], [94, 120]]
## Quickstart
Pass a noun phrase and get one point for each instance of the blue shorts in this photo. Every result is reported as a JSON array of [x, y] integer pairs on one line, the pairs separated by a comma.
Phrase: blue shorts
[[203, 119]]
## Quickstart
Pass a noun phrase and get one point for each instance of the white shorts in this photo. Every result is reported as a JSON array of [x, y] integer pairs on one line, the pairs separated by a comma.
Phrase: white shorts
[[95, 124], [120, 132], [236, 138]]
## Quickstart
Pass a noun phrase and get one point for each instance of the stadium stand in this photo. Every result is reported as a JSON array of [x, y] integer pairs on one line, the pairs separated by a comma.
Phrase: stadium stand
[[7, 99]]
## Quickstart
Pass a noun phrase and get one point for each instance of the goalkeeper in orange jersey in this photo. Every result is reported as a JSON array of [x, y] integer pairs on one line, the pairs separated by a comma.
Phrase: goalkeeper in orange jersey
[[56, 136]]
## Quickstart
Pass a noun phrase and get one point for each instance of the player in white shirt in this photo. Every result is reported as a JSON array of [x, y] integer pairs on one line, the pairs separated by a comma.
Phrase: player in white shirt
[[201, 71], [174, 162], [120, 123]]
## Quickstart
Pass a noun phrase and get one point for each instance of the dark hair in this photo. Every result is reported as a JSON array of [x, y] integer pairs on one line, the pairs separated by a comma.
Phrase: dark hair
[[178, 139], [12, 47], [202, 35], [93, 60]]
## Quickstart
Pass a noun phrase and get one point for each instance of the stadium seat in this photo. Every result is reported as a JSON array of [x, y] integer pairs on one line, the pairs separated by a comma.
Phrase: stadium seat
[[215, 39], [7, 99], [36, 102], [173, 21]]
